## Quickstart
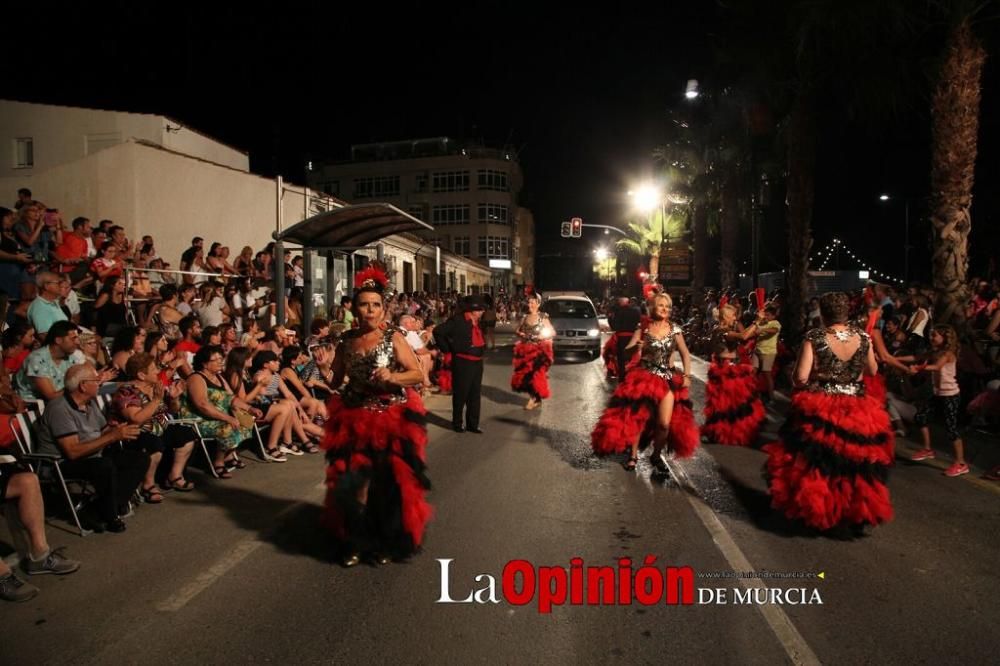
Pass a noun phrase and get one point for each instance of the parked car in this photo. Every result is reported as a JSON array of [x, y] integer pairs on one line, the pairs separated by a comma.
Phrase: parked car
[[574, 319]]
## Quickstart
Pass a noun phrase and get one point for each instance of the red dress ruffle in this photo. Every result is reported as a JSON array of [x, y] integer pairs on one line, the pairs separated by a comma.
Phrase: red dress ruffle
[[631, 415], [444, 372], [531, 368], [387, 449], [733, 410], [832, 463]]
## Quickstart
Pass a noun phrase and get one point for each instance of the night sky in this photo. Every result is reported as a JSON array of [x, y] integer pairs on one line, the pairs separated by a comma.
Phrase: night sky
[[582, 95]]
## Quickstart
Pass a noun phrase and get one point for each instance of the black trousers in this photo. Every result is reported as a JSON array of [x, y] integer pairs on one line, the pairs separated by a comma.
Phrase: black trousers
[[115, 476], [467, 383], [623, 357]]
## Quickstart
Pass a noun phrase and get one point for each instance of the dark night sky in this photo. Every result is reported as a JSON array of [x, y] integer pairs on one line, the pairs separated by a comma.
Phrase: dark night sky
[[582, 94]]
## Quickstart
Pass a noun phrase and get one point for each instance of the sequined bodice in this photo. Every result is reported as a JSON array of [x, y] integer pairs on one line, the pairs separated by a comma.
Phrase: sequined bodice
[[360, 390], [533, 332], [656, 352], [718, 336], [835, 375]]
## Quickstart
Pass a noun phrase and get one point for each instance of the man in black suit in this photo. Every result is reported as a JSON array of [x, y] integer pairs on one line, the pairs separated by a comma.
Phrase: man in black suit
[[623, 321], [462, 337]]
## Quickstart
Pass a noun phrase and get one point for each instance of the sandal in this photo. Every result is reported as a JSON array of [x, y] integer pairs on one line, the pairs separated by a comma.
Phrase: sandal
[[151, 495], [276, 455], [632, 462], [222, 472], [310, 447], [234, 463], [180, 484]]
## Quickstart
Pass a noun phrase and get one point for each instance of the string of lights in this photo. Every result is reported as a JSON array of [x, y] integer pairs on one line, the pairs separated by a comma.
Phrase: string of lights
[[838, 245]]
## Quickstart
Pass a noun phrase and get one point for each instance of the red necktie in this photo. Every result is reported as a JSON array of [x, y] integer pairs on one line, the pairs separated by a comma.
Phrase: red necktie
[[477, 335]]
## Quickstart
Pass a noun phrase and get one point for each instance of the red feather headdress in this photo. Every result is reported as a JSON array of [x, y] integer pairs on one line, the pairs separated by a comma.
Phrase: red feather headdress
[[371, 277]]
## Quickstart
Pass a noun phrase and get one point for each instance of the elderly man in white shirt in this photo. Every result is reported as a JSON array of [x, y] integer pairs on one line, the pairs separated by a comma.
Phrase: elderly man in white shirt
[[411, 326]]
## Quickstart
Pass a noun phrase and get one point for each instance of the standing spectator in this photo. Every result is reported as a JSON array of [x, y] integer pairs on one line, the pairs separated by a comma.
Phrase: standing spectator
[[244, 263], [12, 261], [45, 310], [947, 398], [766, 328], [23, 198], [72, 426], [44, 371], [33, 233]]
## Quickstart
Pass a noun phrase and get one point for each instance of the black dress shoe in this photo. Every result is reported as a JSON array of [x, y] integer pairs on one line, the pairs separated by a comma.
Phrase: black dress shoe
[[458, 428], [116, 525], [477, 430]]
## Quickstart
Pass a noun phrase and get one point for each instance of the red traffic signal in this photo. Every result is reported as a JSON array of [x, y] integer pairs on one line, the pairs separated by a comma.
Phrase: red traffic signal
[[577, 224]]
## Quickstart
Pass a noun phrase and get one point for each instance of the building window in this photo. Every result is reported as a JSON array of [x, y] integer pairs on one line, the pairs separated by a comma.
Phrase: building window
[[493, 247], [450, 214], [417, 211], [462, 246], [493, 213], [451, 181], [331, 187], [421, 182], [493, 180], [377, 186], [24, 153]]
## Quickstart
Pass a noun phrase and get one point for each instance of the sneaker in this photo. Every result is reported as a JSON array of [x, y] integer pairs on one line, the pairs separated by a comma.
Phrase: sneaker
[[53, 563], [13, 588], [923, 454], [958, 469]]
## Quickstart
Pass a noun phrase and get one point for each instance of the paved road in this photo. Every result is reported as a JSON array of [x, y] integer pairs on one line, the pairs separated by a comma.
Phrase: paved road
[[237, 571]]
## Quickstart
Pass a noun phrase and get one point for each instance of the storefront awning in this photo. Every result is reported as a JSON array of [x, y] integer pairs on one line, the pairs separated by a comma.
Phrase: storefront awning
[[351, 226]]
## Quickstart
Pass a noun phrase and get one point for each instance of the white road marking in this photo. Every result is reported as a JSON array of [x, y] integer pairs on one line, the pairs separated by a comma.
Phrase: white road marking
[[242, 550]]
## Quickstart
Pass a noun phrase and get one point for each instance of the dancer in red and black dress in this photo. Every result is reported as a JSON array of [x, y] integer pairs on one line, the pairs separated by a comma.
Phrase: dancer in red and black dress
[[375, 437], [652, 403], [733, 409], [832, 463], [533, 354]]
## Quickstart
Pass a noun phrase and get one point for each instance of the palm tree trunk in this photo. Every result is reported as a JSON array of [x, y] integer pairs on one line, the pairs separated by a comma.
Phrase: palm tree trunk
[[955, 127], [800, 195], [699, 220], [729, 232], [654, 261]]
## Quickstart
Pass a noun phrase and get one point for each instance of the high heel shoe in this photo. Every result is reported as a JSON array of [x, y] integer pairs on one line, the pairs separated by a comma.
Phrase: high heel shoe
[[351, 560]]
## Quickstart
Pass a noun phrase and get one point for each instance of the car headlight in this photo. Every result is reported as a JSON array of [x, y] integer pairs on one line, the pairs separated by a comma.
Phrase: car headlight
[[593, 333]]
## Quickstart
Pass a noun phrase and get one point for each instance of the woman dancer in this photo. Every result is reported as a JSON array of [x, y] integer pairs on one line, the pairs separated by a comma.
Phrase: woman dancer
[[652, 402], [830, 467], [375, 437], [533, 354], [733, 409]]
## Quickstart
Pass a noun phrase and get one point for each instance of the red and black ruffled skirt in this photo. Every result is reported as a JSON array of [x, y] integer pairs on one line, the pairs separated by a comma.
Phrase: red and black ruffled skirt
[[631, 415], [386, 451], [444, 372], [531, 368], [733, 410], [831, 466]]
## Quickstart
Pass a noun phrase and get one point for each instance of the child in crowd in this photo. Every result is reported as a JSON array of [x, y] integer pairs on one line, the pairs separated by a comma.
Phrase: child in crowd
[[947, 397]]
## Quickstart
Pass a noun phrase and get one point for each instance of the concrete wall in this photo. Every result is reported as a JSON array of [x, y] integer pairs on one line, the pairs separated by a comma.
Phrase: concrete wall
[[63, 134], [171, 197]]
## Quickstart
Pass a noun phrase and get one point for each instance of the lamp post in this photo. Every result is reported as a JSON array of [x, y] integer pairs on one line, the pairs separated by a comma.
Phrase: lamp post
[[906, 234], [647, 198]]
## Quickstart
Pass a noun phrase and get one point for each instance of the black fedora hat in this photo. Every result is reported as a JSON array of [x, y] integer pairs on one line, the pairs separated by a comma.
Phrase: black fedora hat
[[473, 302]]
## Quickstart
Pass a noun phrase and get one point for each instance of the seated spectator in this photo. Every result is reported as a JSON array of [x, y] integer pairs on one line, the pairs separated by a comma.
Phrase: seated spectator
[[425, 356], [190, 329], [145, 402], [276, 413], [69, 300], [18, 341], [130, 341], [318, 372], [117, 236], [110, 309], [167, 313], [244, 263], [72, 426], [319, 330], [23, 198], [44, 371], [265, 370], [171, 364], [213, 310], [33, 234], [293, 361], [107, 264], [92, 350], [186, 293], [227, 337], [21, 487], [211, 335], [210, 399], [10, 405], [45, 309]]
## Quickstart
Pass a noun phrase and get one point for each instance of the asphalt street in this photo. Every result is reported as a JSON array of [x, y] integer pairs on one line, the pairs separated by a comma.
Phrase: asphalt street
[[238, 571]]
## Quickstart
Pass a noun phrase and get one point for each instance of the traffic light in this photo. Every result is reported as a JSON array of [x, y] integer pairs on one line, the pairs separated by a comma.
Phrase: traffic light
[[577, 227], [567, 230]]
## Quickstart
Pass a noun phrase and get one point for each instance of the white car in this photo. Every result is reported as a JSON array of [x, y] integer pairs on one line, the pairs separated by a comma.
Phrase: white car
[[574, 319]]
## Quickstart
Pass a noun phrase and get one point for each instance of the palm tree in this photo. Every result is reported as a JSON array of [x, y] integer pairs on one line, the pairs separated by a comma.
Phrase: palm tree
[[955, 123], [646, 237]]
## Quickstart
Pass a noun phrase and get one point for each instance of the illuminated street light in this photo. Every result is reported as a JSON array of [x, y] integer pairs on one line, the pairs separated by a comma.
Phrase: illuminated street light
[[691, 91], [647, 198], [601, 253], [883, 197]]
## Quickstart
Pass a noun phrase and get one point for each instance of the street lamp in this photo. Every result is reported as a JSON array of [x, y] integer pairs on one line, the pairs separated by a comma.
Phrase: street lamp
[[601, 253], [647, 197], [906, 234]]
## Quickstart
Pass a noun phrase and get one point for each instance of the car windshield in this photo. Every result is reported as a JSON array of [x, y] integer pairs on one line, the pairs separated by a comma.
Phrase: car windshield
[[559, 309]]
